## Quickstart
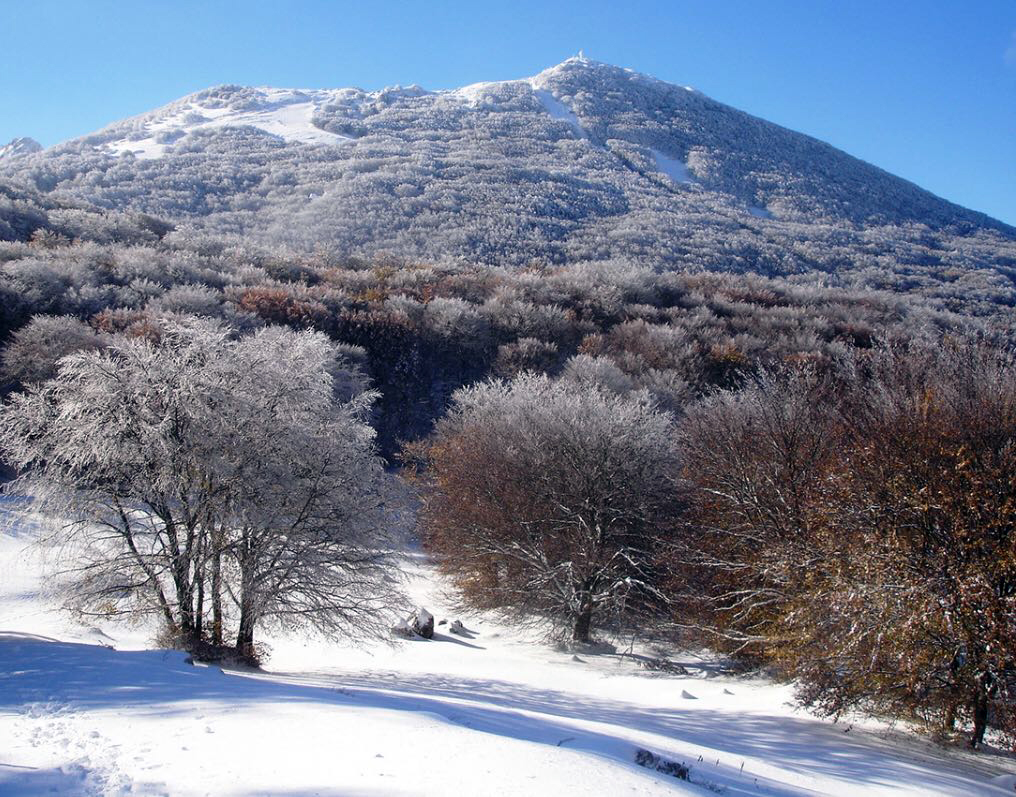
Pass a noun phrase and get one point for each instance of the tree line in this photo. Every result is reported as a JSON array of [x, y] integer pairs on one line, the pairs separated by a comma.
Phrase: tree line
[[854, 529], [427, 329]]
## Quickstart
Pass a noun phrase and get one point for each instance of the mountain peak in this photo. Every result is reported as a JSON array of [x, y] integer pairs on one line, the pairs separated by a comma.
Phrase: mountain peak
[[582, 67], [19, 148]]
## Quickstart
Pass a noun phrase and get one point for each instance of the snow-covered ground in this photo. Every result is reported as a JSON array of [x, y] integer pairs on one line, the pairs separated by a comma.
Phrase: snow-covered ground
[[90, 710]]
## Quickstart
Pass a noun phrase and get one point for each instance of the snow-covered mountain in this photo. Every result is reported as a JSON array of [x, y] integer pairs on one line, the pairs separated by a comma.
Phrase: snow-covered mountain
[[585, 161]]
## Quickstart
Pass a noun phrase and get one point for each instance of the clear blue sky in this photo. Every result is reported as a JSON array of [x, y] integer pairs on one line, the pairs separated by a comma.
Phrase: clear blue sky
[[923, 88]]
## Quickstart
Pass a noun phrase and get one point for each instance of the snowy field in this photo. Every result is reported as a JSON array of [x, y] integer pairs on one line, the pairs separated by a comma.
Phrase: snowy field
[[92, 710]]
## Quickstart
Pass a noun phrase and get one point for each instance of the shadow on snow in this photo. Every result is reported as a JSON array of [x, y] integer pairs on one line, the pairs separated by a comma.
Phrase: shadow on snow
[[37, 670]]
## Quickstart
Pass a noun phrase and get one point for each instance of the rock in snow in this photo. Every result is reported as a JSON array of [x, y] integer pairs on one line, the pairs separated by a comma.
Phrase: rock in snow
[[402, 629], [423, 623], [420, 623]]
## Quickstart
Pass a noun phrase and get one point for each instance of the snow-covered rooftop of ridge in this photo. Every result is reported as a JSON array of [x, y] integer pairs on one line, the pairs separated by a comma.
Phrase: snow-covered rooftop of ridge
[[20, 147], [589, 64], [541, 79], [541, 85]]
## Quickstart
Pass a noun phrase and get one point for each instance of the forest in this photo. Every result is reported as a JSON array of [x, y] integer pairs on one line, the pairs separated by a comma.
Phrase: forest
[[815, 478]]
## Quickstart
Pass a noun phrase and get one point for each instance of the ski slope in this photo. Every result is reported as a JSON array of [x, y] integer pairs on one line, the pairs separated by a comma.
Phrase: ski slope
[[91, 710]]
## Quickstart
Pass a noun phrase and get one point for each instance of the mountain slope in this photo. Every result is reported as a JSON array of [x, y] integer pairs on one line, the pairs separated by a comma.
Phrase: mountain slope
[[584, 161]]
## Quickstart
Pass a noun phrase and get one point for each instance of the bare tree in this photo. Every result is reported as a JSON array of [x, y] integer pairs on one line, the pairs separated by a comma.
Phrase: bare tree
[[303, 505], [916, 614], [861, 533], [754, 463], [162, 459], [554, 499]]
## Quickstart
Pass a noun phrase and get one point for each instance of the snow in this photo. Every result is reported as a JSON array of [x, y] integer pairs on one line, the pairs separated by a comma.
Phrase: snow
[[559, 110], [285, 113], [675, 169], [477, 94], [19, 148], [91, 710], [288, 113], [759, 213], [474, 94]]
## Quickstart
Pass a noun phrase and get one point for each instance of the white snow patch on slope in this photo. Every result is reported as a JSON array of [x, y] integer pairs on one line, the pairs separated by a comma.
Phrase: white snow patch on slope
[[759, 213], [475, 93], [285, 113], [675, 169], [560, 111], [19, 148]]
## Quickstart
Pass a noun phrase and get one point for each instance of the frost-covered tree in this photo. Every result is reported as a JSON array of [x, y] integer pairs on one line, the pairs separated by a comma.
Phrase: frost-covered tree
[[302, 491], [553, 499], [202, 464], [35, 349]]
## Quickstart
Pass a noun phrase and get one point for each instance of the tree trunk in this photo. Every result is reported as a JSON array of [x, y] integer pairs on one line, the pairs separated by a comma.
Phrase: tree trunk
[[980, 713], [182, 581], [217, 598], [949, 719], [185, 602], [199, 611], [245, 635], [584, 621], [248, 613]]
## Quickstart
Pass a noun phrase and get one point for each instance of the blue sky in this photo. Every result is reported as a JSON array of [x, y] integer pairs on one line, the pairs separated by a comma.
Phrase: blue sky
[[926, 90]]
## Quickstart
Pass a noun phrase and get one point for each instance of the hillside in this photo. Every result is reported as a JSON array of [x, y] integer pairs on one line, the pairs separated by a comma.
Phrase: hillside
[[585, 161]]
